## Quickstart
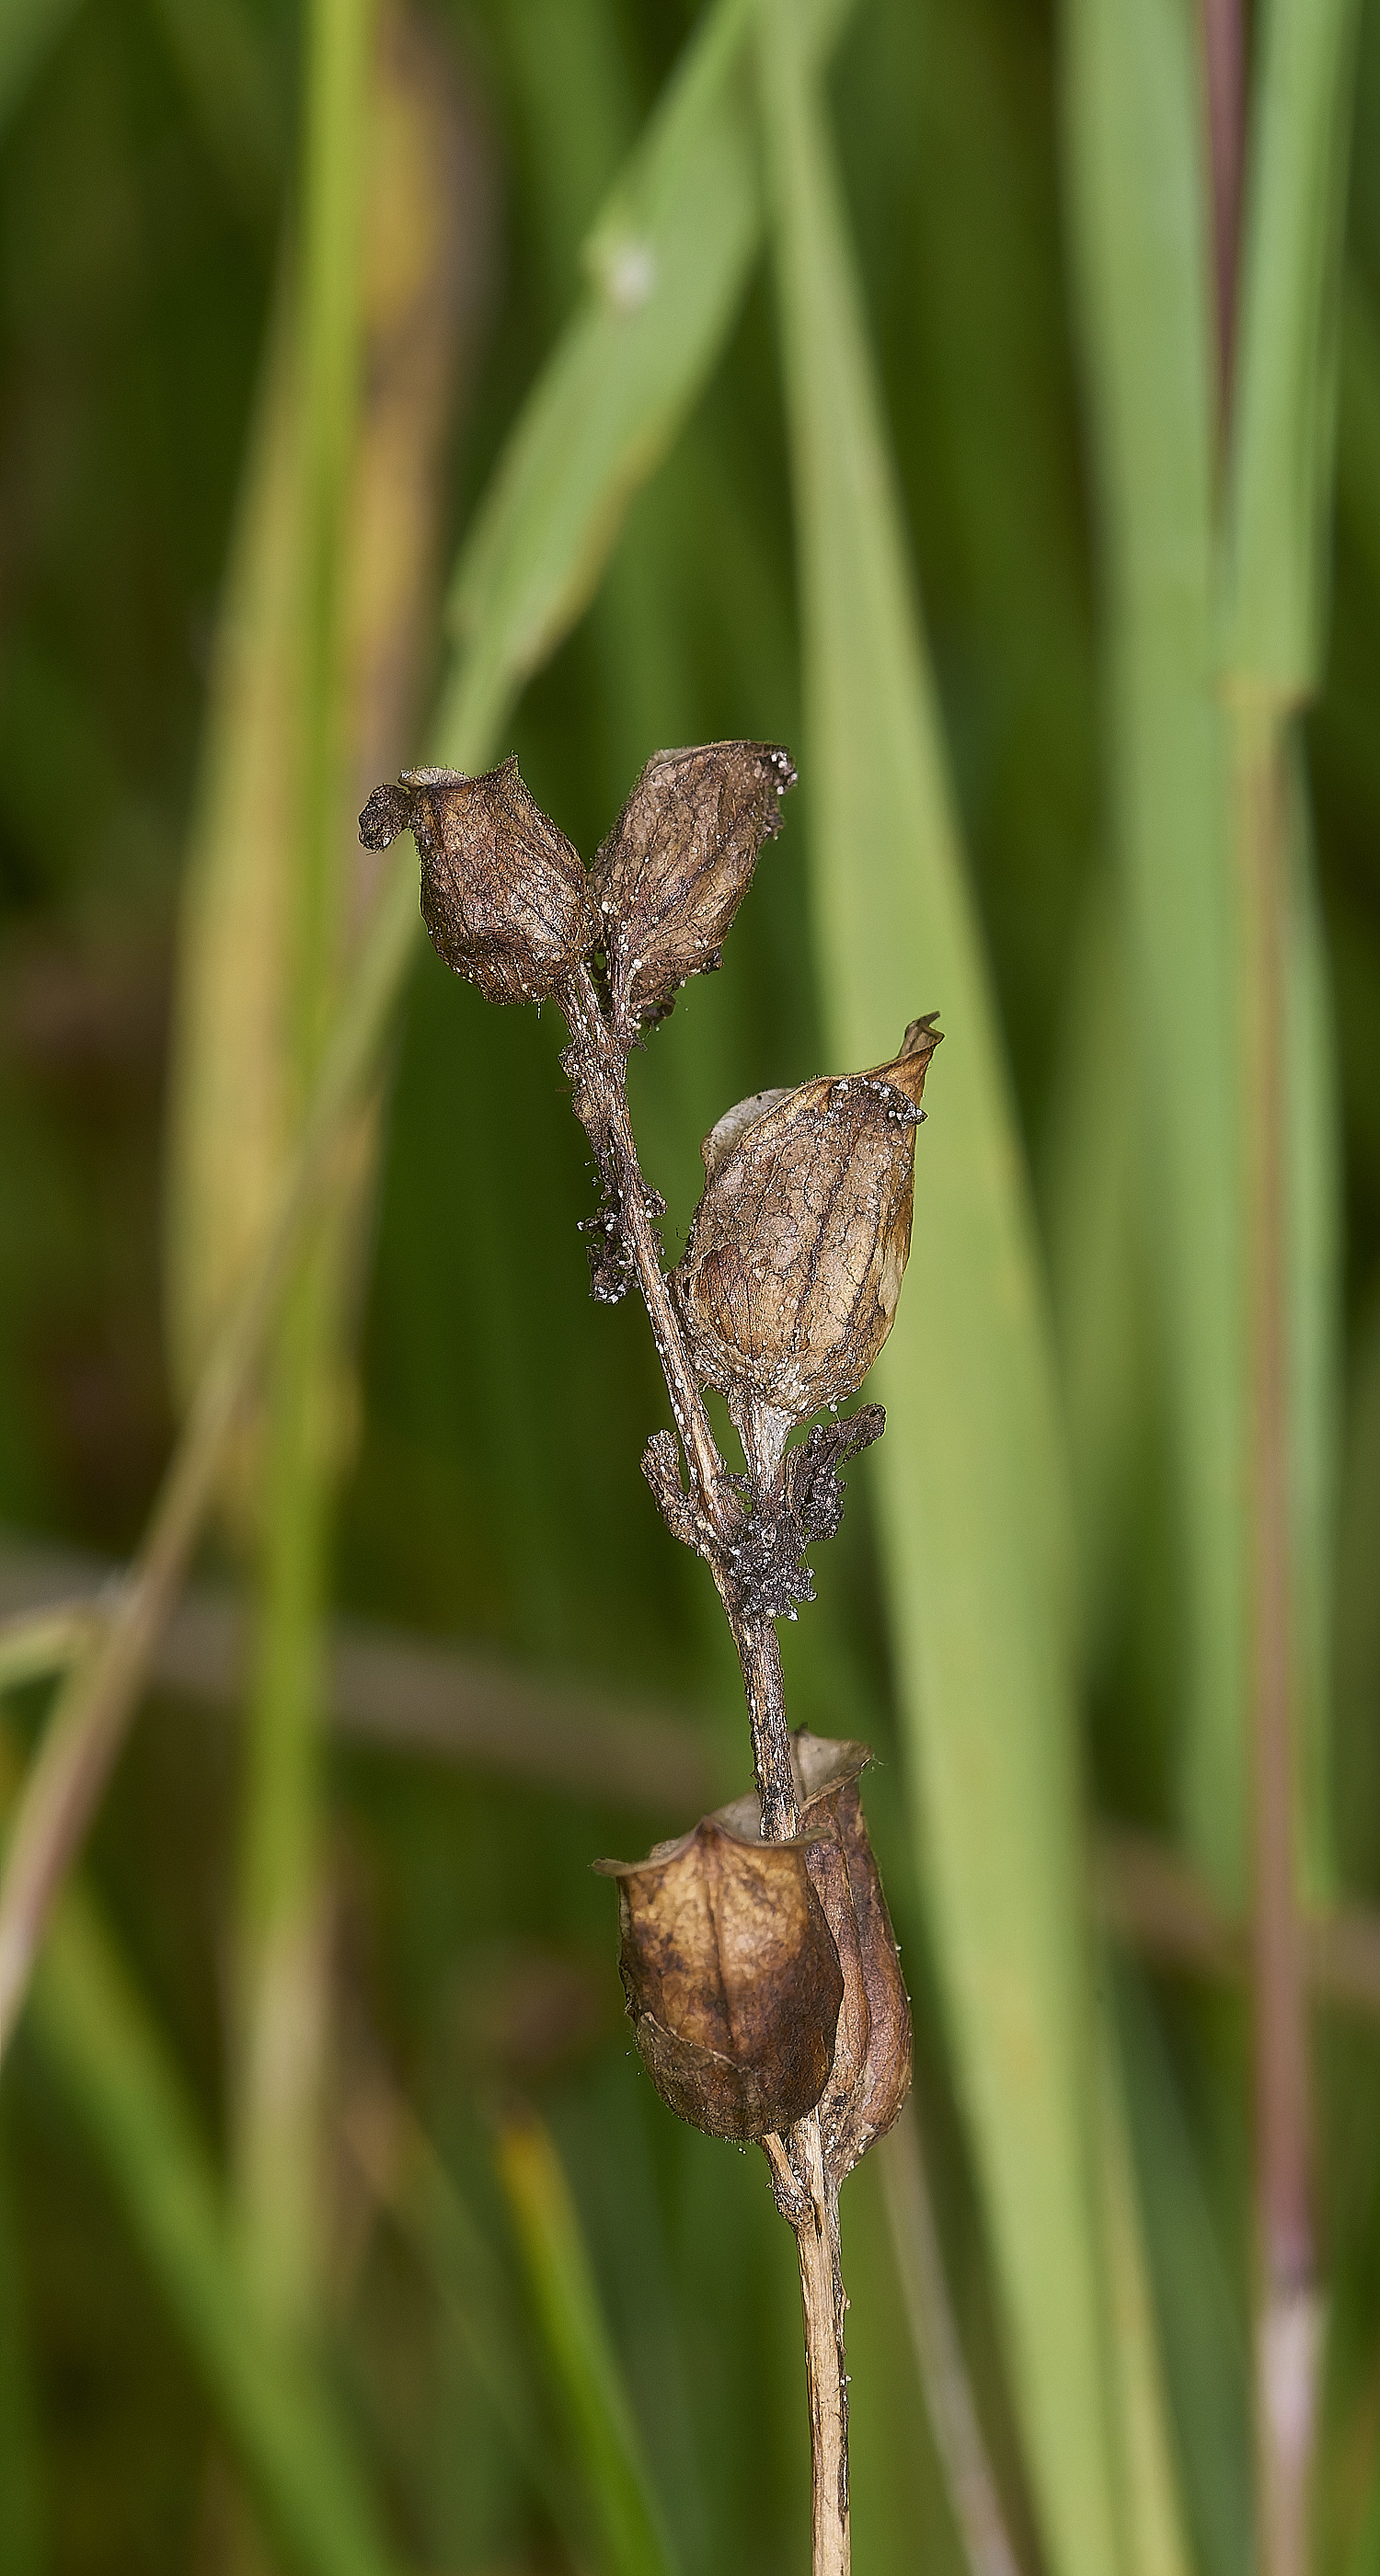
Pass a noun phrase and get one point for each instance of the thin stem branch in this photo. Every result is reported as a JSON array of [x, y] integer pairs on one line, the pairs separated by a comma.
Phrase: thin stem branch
[[759, 1653], [825, 2305], [1287, 2320], [601, 1104], [805, 2192], [1224, 65]]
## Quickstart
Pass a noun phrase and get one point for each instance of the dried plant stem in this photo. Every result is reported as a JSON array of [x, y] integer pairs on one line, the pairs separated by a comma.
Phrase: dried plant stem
[[707, 1519], [1287, 2318], [759, 1653], [601, 1105], [823, 2300]]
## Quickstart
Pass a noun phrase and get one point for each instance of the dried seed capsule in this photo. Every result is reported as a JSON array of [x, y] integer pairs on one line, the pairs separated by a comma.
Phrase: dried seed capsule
[[504, 896], [791, 1275], [731, 1977], [678, 863], [870, 2076]]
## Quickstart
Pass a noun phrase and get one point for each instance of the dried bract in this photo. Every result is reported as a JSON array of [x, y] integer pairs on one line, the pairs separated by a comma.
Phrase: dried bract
[[504, 896], [791, 1275], [870, 2075], [731, 1977], [677, 864], [768, 1559]]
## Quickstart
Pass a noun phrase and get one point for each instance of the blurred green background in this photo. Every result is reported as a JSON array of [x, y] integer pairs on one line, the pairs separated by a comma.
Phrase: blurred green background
[[493, 2360]]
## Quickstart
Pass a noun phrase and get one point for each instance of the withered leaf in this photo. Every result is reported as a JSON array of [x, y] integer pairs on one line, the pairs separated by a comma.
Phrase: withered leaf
[[870, 2075], [731, 1977], [791, 1275], [505, 897], [676, 865]]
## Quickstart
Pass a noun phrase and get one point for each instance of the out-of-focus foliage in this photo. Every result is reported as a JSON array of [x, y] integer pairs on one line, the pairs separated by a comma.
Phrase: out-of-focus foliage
[[897, 383]]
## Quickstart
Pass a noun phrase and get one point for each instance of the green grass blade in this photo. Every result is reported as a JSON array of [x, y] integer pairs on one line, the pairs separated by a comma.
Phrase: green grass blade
[[92, 2028], [1358, 429], [37, 1643], [918, 2259], [669, 260], [1284, 404], [1143, 271], [1088, 1203], [1156, 2539], [584, 2366], [226, 1112], [975, 1520], [468, 2278], [1202, 2330], [280, 1967], [1278, 514]]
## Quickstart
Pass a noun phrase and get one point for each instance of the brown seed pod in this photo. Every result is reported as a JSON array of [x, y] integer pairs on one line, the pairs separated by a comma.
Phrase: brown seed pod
[[504, 896], [791, 1275], [677, 864], [870, 2076], [731, 1977]]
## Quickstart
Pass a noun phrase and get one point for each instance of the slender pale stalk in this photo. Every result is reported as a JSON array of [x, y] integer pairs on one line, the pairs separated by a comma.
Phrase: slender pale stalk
[[804, 2192], [1277, 509], [759, 1652], [825, 2306], [1288, 2311], [1225, 73]]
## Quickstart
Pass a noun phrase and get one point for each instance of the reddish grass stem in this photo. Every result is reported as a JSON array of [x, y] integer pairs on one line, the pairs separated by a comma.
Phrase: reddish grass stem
[[1287, 2314], [1224, 65]]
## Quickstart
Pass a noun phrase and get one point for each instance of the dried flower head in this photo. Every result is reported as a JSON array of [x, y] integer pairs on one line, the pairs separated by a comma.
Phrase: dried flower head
[[504, 896], [870, 2075], [731, 1976], [676, 865], [790, 1278]]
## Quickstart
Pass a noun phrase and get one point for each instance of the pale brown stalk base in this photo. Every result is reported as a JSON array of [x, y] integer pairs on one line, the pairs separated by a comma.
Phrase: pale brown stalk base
[[1288, 2340], [810, 2201]]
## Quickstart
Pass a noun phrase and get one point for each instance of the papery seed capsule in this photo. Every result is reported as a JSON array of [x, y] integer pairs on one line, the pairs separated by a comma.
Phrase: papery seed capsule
[[504, 896], [731, 1977], [870, 2075], [791, 1275], [866, 2090], [677, 864]]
